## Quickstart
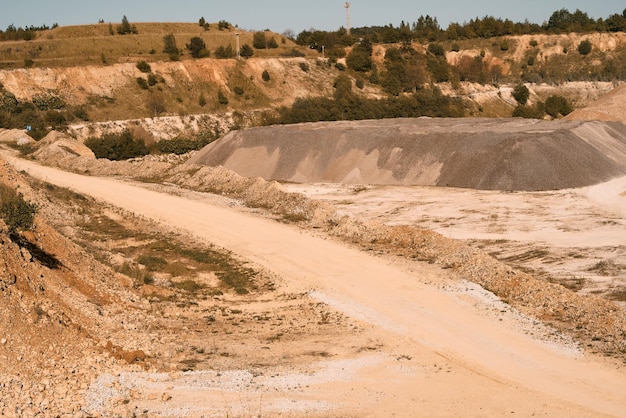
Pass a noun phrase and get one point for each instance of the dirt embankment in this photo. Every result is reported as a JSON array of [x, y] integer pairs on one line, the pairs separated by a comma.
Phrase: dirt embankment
[[510, 154]]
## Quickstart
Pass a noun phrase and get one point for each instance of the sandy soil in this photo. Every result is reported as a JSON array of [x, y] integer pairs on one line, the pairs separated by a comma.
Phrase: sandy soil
[[572, 236], [449, 349]]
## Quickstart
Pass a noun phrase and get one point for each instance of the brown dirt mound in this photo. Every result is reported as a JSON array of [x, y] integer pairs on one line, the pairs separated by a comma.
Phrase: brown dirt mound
[[611, 107], [509, 154]]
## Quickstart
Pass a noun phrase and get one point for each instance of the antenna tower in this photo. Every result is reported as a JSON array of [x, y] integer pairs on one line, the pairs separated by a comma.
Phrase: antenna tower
[[347, 6]]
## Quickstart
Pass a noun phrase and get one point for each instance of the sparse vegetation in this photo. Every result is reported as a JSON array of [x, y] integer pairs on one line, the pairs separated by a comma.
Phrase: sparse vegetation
[[17, 213], [117, 147]]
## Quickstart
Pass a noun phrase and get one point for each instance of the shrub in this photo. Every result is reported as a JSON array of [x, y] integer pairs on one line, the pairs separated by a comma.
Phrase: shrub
[[197, 48], [259, 40], [585, 47], [437, 50], [359, 59], [48, 102], [557, 105], [144, 67], [265, 76], [529, 112], [238, 90], [224, 52], [152, 79], [221, 98], [521, 94], [16, 213], [170, 48], [179, 145], [246, 51], [271, 43], [304, 66], [117, 147], [223, 25], [202, 100], [142, 83]]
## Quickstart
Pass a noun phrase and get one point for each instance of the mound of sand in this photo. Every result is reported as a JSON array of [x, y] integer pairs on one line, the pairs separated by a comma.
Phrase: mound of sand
[[611, 107], [490, 154]]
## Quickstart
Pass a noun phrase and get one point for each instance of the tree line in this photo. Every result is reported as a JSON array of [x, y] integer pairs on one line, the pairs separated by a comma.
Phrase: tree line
[[13, 33], [427, 29]]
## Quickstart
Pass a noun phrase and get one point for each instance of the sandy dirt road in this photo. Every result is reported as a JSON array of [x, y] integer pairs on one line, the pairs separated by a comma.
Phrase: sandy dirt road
[[492, 367]]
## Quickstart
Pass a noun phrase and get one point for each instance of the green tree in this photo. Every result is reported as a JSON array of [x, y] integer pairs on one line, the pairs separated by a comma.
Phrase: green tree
[[201, 21], [170, 48], [359, 59], [197, 48], [259, 41], [224, 52], [125, 28], [521, 94], [246, 51]]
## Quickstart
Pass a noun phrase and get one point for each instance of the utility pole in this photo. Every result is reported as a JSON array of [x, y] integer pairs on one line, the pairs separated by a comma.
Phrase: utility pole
[[347, 6], [237, 51]]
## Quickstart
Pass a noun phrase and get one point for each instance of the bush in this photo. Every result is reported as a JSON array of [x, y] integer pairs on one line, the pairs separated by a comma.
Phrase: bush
[[521, 94], [170, 48], [48, 102], [223, 25], [221, 98], [585, 47], [265, 76], [197, 48], [224, 52], [144, 67], [529, 112], [359, 59], [557, 106], [246, 51], [142, 83], [16, 213], [117, 147], [271, 43], [179, 145], [304, 66], [437, 50], [259, 40]]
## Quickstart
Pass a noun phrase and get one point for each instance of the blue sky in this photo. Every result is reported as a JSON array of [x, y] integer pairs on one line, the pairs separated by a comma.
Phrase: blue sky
[[279, 15]]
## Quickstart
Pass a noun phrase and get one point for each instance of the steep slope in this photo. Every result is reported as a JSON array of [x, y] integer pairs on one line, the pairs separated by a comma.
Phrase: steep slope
[[611, 107], [473, 153]]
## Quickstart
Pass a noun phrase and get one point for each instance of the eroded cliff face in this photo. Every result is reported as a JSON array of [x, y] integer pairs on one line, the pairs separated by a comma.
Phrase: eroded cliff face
[[111, 92]]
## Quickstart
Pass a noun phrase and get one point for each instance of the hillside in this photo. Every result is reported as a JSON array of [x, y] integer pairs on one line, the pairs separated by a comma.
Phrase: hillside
[[85, 73]]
